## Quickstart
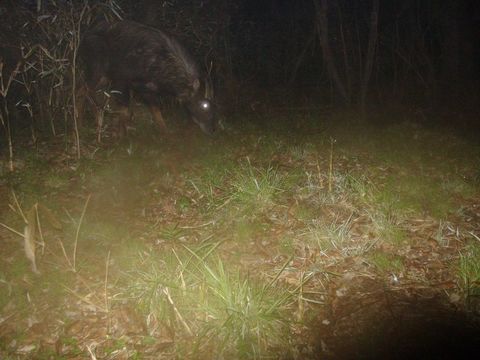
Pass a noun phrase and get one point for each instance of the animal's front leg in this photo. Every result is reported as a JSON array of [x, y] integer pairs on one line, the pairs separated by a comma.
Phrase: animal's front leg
[[121, 96], [123, 120]]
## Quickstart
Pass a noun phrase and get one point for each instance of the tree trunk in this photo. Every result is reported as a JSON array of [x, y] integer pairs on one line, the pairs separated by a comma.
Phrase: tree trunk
[[299, 59], [321, 23], [370, 56]]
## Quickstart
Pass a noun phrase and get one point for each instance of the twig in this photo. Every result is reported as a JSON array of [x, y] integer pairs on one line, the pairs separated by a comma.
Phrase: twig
[[197, 226], [78, 232], [475, 236], [17, 204], [92, 354], [65, 254], [184, 286], [301, 305], [76, 44], [184, 323], [319, 174], [83, 298], [12, 230], [106, 281], [330, 168], [280, 272], [39, 227]]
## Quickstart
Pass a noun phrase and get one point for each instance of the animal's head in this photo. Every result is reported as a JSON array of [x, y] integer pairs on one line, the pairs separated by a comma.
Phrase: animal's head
[[201, 109]]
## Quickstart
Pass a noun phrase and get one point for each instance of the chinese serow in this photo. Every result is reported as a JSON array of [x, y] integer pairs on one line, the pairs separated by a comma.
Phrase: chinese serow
[[130, 58]]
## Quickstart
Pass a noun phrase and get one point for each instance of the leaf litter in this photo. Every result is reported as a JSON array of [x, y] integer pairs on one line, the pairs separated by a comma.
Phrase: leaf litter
[[359, 294]]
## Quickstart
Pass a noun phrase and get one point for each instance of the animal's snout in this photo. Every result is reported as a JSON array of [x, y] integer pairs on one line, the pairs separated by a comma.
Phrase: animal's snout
[[202, 114]]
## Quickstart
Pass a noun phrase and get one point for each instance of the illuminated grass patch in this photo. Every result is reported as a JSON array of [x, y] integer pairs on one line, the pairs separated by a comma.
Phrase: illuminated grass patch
[[233, 315], [247, 320], [254, 190], [418, 194], [324, 236], [386, 225]]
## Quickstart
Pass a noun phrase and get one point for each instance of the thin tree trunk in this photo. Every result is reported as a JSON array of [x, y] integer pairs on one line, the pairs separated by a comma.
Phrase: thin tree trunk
[[322, 29], [346, 62], [4, 113], [395, 85], [370, 56], [300, 58], [5, 120], [76, 44], [452, 41]]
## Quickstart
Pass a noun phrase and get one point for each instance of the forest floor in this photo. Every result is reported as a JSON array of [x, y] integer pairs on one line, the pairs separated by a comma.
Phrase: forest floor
[[311, 236]]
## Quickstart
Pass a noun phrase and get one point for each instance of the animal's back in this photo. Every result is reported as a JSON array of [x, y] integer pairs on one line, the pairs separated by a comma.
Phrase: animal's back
[[140, 57]]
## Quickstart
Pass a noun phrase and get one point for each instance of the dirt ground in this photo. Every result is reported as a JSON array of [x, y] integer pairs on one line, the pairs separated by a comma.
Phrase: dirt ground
[[114, 205]]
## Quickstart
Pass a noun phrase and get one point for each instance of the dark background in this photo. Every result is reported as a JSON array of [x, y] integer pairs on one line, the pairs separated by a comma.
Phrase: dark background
[[426, 53], [401, 55]]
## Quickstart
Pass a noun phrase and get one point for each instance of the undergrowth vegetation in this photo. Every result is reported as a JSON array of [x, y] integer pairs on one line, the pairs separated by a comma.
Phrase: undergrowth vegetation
[[469, 274], [231, 247], [233, 315]]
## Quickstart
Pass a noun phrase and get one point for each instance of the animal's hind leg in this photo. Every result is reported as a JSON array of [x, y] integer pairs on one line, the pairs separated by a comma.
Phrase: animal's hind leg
[[157, 117], [123, 112], [81, 98], [99, 117]]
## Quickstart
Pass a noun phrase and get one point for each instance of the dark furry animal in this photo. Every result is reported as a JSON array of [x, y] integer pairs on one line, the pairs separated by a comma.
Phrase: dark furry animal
[[128, 57]]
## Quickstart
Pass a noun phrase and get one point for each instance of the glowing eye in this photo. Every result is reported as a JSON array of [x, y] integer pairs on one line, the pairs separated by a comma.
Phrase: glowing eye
[[205, 105]]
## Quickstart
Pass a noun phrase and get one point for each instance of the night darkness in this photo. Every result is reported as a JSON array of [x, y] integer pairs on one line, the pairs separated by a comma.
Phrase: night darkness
[[421, 54], [244, 179]]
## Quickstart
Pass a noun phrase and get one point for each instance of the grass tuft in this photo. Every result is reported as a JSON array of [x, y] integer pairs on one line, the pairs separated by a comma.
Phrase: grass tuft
[[386, 226], [469, 273], [254, 190], [233, 315], [333, 235], [246, 319]]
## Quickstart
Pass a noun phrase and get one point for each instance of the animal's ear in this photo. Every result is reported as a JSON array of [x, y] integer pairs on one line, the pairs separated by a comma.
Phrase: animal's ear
[[196, 84]]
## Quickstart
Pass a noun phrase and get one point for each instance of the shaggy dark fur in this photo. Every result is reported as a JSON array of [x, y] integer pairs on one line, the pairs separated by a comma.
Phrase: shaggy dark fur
[[130, 57]]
